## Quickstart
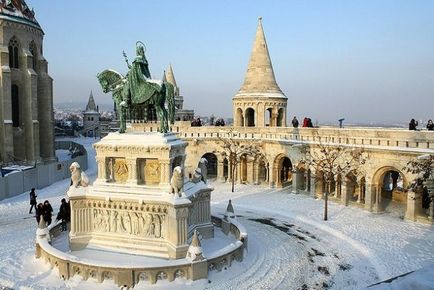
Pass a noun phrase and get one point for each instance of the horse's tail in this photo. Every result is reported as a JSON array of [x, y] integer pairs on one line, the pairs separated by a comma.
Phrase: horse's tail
[[170, 97]]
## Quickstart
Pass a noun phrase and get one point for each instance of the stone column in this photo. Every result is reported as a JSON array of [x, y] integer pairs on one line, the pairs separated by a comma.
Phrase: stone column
[[165, 171], [312, 185], [369, 197], [25, 93], [220, 170], [102, 172], [250, 171], [344, 192], [132, 170], [295, 176], [414, 203], [271, 175], [239, 171]]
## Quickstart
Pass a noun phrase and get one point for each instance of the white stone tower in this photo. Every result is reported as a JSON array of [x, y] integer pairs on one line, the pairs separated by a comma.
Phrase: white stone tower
[[26, 95], [91, 122], [260, 102]]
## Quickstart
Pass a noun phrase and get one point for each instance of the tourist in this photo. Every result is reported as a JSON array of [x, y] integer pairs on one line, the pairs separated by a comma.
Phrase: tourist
[[33, 202], [47, 212], [413, 125], [64, 214], [295, 122], [39, 212], [305, 122], [309, 123], [430, 125]]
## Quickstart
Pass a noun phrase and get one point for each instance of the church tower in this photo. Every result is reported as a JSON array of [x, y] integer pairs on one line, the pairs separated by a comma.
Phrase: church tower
[[26, 94], [181, 114], [259, 102], [91, 119]]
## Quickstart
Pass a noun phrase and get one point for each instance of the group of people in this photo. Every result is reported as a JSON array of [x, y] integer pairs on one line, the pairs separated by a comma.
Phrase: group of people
[[196, 122], [413, 125], [307, 122], [45, 210]]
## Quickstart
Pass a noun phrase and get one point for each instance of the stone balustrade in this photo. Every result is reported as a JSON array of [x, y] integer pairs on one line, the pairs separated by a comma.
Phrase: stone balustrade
[[127, 277]]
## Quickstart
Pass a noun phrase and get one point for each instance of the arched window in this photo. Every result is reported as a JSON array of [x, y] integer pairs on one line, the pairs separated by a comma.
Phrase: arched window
[[34, 51], [15, 106], [13, 53]]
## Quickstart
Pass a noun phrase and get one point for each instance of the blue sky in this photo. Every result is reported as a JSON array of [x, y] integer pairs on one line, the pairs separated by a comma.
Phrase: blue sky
[[367, 61]]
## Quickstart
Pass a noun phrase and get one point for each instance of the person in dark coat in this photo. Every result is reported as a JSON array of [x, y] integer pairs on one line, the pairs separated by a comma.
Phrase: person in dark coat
[[309, 123], [33, 202], [48, 212], [305, 122], [295, 122], [39, 212], [430, 125], [413, 125], [64, 214]]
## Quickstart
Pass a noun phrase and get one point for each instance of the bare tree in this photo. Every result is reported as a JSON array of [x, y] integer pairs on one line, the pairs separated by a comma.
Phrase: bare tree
[[332, 161], [235, 149], [423, 167]]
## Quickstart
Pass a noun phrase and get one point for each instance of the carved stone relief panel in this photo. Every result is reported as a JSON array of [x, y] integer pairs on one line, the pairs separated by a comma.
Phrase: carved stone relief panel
[[151, 171], [120, 170], [143, 224]]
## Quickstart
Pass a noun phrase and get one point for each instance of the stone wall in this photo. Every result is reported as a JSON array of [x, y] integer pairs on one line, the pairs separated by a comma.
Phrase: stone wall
[[42, 175]]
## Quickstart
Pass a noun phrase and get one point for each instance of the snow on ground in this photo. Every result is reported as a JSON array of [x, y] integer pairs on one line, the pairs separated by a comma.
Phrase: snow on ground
[[290, 247], [63, 154]]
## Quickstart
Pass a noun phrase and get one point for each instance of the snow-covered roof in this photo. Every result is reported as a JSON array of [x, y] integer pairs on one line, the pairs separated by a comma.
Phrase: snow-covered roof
[[18, 11]]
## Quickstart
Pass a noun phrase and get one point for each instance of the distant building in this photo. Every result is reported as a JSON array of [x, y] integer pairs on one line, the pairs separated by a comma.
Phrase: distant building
[[181, 114], [91, 119], [26, 94]]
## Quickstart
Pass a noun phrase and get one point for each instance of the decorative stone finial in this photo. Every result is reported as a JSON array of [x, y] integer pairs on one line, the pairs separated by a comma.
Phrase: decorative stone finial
[[194, 252], [42, 225], [230, 210]]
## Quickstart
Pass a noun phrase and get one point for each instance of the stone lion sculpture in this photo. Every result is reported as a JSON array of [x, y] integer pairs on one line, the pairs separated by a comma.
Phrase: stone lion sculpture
[[78, 177], [197, 176], [203, 165], [177, 181]]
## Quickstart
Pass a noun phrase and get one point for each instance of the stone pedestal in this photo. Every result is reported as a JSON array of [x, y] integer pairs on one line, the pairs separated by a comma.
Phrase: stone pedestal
[[130, 207]]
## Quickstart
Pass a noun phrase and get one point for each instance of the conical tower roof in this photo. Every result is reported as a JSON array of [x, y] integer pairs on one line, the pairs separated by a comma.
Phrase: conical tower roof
[[260, 78], [91, 103], [170, 76]]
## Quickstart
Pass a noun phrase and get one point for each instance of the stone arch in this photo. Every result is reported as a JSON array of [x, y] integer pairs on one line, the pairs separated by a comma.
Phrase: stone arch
[[212, 164], [283, 170], [161, 275], [239, 118], [301, 177], [13, 48], [281, 118], [143, 276], [351, 187], [268, 116], [179, 273], [391, 184], [250, 117], [263, 168]]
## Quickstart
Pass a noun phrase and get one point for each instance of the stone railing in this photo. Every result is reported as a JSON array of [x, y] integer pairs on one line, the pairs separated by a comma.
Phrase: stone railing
[[129, 275], [386, 138]]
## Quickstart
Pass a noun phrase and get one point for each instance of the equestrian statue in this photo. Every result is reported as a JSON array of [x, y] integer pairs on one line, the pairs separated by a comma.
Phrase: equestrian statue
[[138, 89]]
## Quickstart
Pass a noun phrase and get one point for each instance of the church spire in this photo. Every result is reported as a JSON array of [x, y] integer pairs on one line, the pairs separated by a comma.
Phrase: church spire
[[91, 103], [260, 75]]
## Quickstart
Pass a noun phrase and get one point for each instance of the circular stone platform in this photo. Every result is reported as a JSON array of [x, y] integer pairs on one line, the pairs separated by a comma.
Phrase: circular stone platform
[[126, 270]]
